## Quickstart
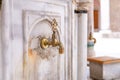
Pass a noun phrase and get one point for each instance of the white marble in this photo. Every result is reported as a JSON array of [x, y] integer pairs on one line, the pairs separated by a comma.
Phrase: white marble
[[91, 17], [74, 46], [110, 71], [18, 19], [82, 46]]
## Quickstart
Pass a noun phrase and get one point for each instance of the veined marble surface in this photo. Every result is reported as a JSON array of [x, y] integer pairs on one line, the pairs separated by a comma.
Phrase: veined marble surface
[[18, 18]]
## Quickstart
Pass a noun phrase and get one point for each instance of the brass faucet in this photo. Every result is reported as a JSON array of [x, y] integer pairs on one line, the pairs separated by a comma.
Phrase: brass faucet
[[45, 43], [91, 37]]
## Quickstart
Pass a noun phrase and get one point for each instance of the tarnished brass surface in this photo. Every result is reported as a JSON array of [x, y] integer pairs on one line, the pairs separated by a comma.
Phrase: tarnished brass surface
[[91, 37], [61, 48], [45, 43]]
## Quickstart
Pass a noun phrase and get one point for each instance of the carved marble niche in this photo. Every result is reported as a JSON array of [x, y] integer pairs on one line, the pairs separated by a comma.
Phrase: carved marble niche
[[29, 22], [41, 64]]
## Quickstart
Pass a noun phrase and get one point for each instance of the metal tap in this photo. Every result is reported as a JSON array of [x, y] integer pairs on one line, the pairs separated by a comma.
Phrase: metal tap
[[45, 43]]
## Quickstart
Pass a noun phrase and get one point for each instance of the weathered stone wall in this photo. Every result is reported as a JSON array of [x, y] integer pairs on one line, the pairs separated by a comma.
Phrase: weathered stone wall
[[115, 15]]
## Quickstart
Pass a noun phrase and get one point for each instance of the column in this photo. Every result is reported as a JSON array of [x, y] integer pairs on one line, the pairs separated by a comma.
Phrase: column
[[91, 17], [81, 27], [81, 18], [82, 45], [5, 31]]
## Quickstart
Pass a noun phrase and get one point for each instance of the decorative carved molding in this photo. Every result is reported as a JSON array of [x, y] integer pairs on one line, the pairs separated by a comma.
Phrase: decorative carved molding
[[81, 5], [42, 15], [49, 16]]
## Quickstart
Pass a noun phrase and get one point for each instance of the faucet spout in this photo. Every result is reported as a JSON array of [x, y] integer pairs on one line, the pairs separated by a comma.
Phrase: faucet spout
[[57, 43], [61, 48]]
